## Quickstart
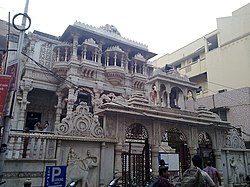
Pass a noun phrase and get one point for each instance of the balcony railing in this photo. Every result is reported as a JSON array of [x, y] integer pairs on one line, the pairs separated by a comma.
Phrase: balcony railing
[[31, 145]]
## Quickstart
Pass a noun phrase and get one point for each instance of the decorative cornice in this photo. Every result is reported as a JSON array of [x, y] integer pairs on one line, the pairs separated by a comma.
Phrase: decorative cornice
[[25, 174], [110, 34]]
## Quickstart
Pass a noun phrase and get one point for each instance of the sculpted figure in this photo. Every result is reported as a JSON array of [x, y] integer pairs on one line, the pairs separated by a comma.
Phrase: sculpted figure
[[80, 169], [241, 169], [234, 170]]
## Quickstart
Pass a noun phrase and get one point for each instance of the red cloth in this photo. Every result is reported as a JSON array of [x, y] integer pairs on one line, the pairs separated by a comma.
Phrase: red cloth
[[164, 183]]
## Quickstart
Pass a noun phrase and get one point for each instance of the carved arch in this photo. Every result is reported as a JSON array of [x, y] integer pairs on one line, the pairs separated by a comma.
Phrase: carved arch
[[137, 131]]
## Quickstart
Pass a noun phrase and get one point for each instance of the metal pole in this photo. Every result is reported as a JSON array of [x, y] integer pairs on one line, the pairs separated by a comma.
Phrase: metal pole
[[6, 130]]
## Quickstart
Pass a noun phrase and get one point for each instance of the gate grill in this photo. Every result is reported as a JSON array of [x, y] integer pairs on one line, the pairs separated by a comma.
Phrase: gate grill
[[136, 171]]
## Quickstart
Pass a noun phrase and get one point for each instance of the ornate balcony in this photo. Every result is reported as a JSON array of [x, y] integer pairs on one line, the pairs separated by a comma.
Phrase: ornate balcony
[[115, 75]]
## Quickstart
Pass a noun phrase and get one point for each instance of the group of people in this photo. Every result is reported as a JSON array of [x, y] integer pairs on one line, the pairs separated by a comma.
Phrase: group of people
[[41, 127], [193, 177]]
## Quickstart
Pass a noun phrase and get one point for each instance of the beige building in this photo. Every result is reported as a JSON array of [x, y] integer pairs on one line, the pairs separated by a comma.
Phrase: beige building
[[219, 63], [219, 60]]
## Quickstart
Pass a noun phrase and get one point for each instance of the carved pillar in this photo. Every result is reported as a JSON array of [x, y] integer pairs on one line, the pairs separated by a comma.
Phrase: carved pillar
[[58, 107], [66, 54], [75, 46], [58, 54], [118, 158], [122, 61], [115, 58], [155, 163], [26, 87], [84, 52], [102, 169], [126, 66], [143, 69], [135, 66], [107, 59], [70, 101], [95, 55], [99, 57]]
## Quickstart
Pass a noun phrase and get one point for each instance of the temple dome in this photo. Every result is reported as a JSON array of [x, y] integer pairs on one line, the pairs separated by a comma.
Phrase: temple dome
[[111, 29]]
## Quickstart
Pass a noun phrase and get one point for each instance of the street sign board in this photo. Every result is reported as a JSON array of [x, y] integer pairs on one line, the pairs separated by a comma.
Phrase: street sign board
[[4, 86], [55, 176]]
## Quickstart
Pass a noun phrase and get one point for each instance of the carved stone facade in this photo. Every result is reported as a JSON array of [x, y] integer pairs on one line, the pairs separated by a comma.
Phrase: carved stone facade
[[104, 105]]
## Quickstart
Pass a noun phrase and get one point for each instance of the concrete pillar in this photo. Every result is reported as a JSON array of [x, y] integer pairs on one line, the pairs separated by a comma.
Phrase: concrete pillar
[[118, 159], [206, 45]]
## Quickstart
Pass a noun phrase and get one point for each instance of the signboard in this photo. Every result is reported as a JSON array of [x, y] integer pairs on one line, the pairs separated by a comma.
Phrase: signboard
[[4, 86], [172, 160], [12, 71], [55, 176]]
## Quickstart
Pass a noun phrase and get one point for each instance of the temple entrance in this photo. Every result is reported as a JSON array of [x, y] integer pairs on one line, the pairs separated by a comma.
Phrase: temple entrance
[[177, 140], [136, 160], [205, 149]]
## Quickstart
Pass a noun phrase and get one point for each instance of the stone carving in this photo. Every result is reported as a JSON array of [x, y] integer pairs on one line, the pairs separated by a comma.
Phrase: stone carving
[[80, 169], [173, 135], [90, 41], [115, 48], [137, 132], [80, 123], [237, 170], [204, 139], [111, 29], [20, 174], [46, 54], [233, 140], [139, 56], [108, 98]]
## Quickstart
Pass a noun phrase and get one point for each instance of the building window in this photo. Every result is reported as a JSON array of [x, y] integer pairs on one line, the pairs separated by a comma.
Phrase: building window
[[195, 58], [178, 66], [222, 112]]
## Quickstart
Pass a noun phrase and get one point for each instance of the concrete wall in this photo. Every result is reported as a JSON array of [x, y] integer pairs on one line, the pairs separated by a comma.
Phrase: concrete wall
[[24, 169], [238, 103]]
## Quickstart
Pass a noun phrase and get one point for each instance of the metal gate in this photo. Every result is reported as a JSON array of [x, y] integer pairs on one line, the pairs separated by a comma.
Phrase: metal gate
[[133, 170], [136, 166]]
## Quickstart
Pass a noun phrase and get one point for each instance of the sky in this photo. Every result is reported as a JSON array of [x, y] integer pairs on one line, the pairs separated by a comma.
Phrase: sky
[[163, 25]]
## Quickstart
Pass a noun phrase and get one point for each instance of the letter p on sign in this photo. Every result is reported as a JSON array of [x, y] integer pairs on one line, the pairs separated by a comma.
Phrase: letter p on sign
[[56, 171]]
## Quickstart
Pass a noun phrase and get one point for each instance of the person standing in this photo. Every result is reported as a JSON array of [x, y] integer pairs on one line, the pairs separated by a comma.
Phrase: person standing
[[213, 173], [195, 177], [163, 181]]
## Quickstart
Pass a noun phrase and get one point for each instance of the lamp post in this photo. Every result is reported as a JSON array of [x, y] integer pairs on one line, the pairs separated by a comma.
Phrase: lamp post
[[6, 121]]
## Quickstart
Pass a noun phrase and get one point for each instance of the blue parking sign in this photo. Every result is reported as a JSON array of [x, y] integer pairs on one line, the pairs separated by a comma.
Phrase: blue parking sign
[[55, 176]]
